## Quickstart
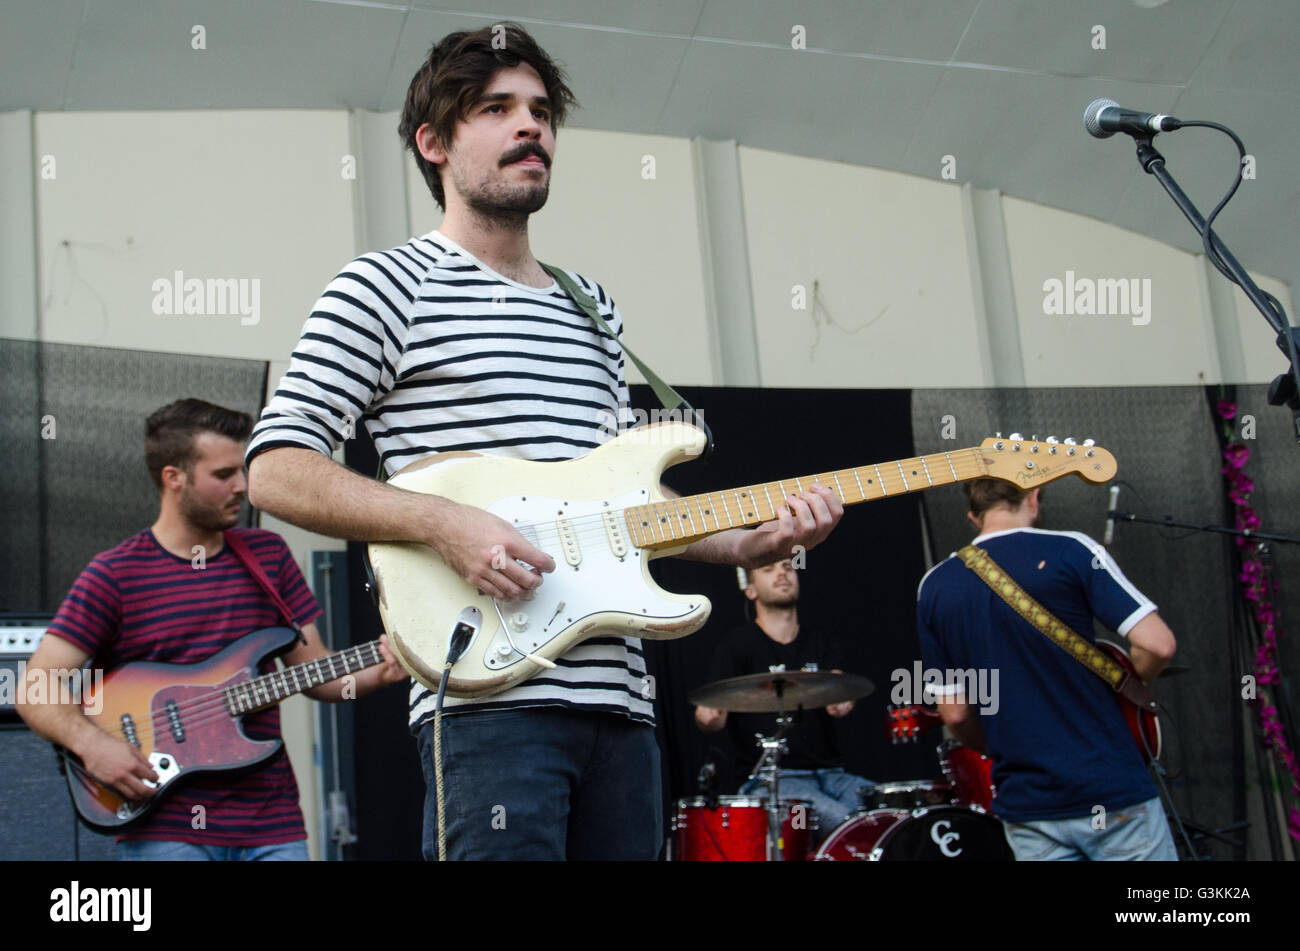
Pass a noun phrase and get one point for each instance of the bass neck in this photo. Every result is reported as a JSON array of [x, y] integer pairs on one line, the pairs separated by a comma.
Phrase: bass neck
[[270, 689]]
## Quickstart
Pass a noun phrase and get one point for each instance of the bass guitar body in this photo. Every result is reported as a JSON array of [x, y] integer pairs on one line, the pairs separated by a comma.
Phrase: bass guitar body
[[176, 716]]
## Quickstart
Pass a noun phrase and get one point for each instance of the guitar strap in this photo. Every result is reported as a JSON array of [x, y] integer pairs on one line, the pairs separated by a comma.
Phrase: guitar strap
[[1055, 630], [246, 558], [662, 390]]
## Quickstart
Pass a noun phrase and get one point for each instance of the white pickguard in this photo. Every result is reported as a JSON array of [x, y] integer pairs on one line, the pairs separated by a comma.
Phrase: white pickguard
[[601, 581]]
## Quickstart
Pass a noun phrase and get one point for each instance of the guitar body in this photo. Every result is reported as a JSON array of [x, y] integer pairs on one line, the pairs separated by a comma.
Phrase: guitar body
[[572, 510], [179, 744], [1143, 724]]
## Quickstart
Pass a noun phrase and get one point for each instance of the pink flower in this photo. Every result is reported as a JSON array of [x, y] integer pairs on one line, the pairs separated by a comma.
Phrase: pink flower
[[1236, 455], [1227, 410]]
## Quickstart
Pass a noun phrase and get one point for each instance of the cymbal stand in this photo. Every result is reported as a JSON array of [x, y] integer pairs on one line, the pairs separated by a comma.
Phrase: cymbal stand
[[768, 772]]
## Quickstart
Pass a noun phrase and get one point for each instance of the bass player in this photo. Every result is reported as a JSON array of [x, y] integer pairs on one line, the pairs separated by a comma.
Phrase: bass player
[[176, 593]]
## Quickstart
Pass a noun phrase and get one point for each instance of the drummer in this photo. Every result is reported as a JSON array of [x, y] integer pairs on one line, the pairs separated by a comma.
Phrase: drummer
[[813, 768]]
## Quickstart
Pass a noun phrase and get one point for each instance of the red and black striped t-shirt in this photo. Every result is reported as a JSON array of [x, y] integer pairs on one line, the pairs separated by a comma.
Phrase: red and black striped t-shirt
[[139, 602]]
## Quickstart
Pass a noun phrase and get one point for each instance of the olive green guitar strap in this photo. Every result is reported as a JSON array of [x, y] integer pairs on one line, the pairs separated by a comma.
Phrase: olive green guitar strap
[[668, 396]]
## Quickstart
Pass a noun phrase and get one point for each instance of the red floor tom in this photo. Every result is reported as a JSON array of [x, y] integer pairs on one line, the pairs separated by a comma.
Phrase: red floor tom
[[736, 830]]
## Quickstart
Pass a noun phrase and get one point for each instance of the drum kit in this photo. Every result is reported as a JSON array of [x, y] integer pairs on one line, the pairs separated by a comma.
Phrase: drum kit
[[921, 820]]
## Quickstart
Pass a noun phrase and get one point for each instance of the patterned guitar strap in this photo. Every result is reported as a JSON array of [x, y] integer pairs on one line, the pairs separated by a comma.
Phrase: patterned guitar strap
[[1060, 634]]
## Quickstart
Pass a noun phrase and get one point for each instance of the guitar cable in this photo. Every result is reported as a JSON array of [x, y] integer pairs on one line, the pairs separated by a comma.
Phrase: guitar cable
[[1158, 771], [460, 639]]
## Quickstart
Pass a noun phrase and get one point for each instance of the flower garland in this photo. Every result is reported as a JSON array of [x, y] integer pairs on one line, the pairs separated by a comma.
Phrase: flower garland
[[1256, 591]]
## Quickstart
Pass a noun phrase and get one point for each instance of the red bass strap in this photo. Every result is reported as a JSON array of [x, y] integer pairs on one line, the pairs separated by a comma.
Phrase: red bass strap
[[245, 556]]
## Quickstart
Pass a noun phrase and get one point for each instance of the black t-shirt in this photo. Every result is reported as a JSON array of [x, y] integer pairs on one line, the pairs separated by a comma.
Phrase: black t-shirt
[[811, 740]]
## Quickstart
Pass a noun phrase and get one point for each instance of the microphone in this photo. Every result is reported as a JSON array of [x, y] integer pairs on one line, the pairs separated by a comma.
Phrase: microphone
[[1109, 537], [1104, 117]]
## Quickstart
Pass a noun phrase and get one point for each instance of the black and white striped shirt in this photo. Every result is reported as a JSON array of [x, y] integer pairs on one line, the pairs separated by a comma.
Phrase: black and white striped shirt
[[434, 351]]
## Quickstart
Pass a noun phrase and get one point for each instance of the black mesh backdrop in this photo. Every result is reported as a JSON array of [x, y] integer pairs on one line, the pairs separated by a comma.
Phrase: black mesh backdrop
[[86, 489], [21, 562], [1164, 442], [858, 584]]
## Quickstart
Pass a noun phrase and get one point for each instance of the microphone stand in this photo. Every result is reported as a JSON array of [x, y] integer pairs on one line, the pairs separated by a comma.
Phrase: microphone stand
[[1218, 529], [1286, 388]]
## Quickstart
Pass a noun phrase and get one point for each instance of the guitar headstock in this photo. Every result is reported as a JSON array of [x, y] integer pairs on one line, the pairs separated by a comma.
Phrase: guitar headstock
[[1030, 462], [906, 724]]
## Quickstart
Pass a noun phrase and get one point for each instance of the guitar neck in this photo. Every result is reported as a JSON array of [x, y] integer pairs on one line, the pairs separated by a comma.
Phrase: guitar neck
[[270, 689], [676, 522]]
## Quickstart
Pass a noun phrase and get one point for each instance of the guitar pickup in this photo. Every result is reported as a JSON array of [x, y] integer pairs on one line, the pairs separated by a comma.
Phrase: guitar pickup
[[174, 722], [568, 541], [614, 531]]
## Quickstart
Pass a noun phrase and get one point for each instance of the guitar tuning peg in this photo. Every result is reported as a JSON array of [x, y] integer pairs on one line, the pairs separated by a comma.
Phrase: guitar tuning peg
[[998, 434], [1090, 442], [1016, 437], [1069, 441], [1034, 438], [1052, 440]]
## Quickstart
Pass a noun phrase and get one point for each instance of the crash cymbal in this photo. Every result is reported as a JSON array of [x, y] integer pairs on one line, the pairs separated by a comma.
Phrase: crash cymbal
[[781, 690]]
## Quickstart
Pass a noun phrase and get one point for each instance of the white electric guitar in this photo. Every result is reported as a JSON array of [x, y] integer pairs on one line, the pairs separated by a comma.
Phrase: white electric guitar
[[603, 518]]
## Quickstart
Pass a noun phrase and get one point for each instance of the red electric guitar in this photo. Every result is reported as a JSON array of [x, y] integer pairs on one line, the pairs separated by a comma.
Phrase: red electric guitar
[[186, 718]]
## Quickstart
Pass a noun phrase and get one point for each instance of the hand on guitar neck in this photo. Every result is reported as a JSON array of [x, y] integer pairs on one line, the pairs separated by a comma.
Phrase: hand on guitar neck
[[805, 521]]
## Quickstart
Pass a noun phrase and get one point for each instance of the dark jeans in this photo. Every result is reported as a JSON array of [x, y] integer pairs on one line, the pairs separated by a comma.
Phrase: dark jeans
[[544, 783]]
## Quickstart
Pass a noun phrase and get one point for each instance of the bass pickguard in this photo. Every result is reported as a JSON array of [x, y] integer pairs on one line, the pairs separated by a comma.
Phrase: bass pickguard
[[597, 571]]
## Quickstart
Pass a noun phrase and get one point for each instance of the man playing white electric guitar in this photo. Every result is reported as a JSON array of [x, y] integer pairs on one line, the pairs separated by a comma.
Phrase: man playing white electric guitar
[[460, 341]]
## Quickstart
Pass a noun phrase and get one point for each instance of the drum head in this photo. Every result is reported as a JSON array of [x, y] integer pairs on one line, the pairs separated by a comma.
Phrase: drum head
[[946, 834], [911, 794]]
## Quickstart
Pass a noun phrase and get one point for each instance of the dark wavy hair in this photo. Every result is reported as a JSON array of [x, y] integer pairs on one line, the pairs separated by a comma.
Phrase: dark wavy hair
[[454, 75], [169, 433], [985, 494]]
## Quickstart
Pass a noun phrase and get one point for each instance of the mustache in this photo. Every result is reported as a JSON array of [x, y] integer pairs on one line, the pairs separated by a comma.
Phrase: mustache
[[525, 150]]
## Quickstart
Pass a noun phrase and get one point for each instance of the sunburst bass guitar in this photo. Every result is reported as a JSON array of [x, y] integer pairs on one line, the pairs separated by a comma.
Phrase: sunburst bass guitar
[[603, 518], [187, 718]]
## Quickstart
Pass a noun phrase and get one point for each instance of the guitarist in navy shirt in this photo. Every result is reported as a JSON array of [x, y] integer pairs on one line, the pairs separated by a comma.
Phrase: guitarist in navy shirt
[[1071, 782]]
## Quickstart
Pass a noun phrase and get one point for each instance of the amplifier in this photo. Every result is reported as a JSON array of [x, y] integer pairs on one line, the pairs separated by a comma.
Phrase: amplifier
[[19, 635]]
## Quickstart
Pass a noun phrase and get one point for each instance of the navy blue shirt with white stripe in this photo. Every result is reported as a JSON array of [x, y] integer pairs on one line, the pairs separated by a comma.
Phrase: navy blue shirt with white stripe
[[433, 351], [1058, 740]]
